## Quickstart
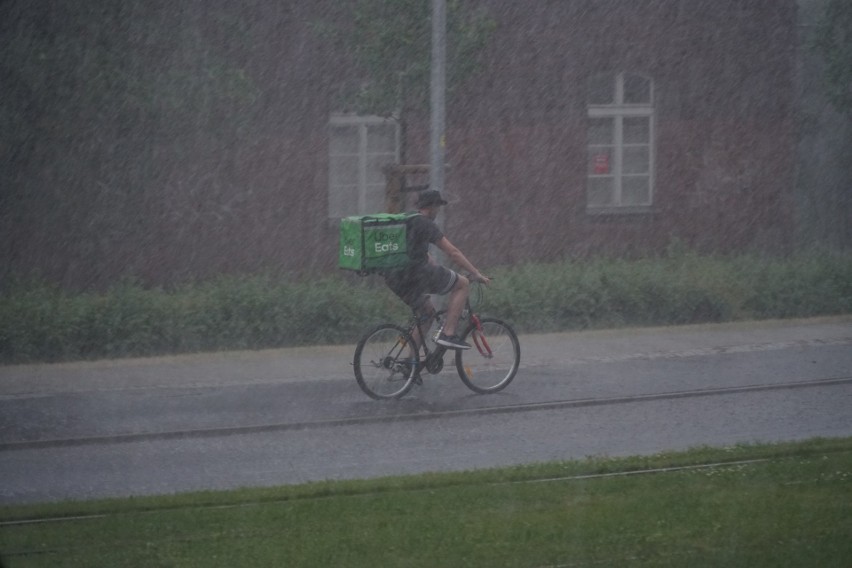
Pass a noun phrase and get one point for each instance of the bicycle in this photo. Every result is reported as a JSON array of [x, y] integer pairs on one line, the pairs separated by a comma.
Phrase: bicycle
[[387, 368]]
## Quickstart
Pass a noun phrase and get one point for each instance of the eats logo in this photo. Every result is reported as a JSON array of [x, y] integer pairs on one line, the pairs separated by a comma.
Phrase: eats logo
[[349, 247], [386, 242]]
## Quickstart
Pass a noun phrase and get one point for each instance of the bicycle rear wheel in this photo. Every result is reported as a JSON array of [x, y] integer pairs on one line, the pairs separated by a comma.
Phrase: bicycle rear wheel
[[382, 362], [493, 360]]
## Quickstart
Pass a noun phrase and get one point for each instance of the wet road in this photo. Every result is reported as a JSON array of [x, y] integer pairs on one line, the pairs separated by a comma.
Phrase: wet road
[[151, 426]]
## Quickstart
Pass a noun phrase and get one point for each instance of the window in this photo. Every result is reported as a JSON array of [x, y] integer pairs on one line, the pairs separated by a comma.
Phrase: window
[[620, 142], [359, 147]]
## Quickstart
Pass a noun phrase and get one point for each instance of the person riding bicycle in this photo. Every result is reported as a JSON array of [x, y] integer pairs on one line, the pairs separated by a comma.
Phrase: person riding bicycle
[[424, 276]]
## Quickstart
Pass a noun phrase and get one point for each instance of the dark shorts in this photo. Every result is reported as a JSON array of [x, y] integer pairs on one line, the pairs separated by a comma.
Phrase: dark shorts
[[413, 285]]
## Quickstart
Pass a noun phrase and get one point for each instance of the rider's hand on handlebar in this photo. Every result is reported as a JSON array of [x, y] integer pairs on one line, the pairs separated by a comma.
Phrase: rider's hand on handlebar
[[479, 277]]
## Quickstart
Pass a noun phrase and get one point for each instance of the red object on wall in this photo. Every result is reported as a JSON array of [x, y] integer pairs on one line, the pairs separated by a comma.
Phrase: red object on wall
[[602, 164]]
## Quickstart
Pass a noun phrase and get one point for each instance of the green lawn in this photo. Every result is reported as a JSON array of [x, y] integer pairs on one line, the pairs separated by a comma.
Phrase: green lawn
[[768, 505]]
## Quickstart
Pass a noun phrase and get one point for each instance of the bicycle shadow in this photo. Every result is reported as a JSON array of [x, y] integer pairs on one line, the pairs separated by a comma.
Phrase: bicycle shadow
[[435, 396]]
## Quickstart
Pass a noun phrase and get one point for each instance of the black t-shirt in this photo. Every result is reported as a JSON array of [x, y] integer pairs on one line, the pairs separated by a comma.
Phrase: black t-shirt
[[421, 231]]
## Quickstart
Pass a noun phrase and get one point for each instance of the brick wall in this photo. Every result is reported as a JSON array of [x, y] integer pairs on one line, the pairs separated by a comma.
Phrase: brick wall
[[256, 199]]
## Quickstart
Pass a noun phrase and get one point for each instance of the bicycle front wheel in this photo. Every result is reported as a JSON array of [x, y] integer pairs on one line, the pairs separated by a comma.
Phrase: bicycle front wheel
[[383, 362], [492, 361]]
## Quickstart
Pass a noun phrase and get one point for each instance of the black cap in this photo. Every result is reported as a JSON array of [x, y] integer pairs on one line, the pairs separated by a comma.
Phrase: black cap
[[430, 198]]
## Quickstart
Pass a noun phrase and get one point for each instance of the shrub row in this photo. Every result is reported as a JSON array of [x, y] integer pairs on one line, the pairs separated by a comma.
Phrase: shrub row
[[39, 322], [683, 289]]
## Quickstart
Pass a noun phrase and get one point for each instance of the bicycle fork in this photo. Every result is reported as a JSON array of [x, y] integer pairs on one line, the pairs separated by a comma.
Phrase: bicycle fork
[[479, 339]]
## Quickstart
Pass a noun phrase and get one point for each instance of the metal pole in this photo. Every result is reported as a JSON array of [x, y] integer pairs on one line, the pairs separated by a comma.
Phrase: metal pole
[[437, 89]]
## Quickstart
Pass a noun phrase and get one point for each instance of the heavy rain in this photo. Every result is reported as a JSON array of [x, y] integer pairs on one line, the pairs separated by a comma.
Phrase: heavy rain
[[648, 204]]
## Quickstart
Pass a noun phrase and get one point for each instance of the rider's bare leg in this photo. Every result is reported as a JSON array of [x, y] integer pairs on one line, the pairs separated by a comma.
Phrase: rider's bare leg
[[426, 313], [455, 304]]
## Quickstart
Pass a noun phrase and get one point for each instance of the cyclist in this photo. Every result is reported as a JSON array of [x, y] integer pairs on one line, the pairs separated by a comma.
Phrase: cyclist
[[424, 276]]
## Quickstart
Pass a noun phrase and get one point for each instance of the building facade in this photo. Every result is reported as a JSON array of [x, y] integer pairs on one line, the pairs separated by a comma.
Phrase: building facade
[[594, 127]]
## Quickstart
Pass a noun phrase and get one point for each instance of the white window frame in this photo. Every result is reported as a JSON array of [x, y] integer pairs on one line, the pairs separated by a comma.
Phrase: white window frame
[[619, 110], [360, 203]]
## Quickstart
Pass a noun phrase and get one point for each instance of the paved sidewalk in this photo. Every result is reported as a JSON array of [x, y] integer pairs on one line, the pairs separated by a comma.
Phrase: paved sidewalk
[[554, 350]]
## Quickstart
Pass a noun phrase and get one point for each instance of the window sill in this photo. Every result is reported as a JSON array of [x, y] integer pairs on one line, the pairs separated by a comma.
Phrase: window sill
[[619, 211]]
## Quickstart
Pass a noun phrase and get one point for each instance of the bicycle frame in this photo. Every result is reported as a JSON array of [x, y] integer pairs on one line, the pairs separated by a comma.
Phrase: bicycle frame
[[433, 360]]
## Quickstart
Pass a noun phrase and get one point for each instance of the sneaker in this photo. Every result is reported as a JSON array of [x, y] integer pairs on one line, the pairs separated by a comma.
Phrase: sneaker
[[451, 342]]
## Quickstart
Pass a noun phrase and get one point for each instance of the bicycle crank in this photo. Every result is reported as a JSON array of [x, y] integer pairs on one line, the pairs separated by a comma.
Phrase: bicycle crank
[[434, 363]]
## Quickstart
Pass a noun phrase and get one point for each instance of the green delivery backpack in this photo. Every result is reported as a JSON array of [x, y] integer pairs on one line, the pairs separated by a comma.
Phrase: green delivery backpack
[[374, 243]]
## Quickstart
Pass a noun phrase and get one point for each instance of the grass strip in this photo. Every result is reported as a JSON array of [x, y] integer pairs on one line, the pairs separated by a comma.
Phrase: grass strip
[[757, 505]]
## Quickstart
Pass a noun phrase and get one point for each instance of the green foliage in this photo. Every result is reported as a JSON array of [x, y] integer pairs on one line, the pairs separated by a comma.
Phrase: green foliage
[[40, 322], [678, 289], [103, 65], [833, 40], [817, 284], [392, 42], [117, 119]]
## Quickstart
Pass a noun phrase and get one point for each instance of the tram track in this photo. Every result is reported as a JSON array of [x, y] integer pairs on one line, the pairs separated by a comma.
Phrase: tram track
[[141, 437]]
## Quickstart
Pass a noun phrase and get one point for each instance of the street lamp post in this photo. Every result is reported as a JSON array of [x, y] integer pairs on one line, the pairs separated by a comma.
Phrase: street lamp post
[[437, 90]]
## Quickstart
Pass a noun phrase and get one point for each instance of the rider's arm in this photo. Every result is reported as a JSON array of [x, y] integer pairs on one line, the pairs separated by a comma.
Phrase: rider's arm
[[456, 256]]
